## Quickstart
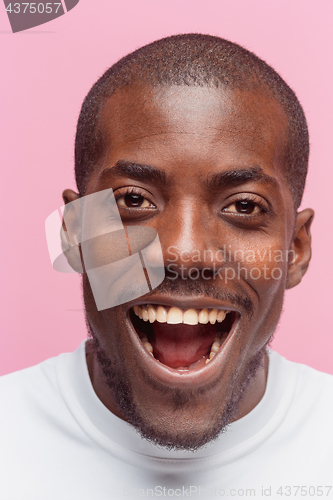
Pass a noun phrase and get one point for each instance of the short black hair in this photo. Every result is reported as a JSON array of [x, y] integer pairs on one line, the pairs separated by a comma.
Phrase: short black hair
[[195, 60]]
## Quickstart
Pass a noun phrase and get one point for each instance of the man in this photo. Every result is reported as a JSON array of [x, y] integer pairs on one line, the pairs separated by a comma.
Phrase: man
[[176, 393]]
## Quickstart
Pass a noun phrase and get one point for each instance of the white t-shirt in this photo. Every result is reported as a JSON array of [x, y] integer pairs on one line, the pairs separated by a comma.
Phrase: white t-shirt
[[59, 442]]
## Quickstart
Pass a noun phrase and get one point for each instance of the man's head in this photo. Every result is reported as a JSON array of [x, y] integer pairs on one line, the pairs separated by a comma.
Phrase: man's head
[[193, 60], [203, 142]]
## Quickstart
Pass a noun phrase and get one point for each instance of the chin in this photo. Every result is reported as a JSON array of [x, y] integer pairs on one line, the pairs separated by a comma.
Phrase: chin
[[174, 367]]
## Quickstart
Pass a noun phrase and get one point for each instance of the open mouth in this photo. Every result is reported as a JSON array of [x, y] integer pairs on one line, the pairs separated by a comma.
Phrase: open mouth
[[182, 339]]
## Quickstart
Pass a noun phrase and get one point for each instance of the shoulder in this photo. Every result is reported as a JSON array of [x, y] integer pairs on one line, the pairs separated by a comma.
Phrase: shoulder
[[304, 370], [42, 373], [313, 389], [27, 391]]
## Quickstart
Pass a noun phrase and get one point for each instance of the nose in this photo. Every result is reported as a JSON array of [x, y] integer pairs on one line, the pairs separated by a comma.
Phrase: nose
[[191, 240]]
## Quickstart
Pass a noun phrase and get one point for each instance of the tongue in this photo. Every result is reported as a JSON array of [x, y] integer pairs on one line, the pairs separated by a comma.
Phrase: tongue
[[181, 345]]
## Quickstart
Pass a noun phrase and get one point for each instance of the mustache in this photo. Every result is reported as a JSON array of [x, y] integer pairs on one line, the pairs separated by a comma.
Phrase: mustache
[[180, 288]]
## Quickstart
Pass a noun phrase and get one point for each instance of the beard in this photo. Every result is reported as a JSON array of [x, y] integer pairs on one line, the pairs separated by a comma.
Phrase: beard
[[183, 435], [189, 439]]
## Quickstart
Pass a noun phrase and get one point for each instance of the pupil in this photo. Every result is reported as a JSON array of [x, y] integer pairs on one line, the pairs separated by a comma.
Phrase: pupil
[[244, 207], [133, 200]]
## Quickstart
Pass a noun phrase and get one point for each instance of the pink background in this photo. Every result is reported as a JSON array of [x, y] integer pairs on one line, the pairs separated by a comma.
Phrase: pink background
[[47, 71]]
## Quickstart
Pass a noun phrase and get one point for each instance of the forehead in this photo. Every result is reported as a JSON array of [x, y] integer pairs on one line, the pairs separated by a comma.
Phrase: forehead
[[201, 127]]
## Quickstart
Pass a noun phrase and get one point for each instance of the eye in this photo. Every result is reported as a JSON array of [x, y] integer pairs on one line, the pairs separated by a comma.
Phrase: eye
[[250, 205], [244, 207], [133, 199]]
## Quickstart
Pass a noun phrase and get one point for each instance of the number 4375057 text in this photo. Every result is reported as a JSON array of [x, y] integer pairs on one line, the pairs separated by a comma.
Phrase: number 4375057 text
[[32, 8]]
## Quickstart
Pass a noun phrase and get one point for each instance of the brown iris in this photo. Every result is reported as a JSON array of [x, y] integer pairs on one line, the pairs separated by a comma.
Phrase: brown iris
[[245, 207]]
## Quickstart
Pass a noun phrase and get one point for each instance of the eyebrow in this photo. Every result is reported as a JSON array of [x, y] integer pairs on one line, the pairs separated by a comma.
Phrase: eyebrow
[[237, 177], [148, 173], [136, 171]]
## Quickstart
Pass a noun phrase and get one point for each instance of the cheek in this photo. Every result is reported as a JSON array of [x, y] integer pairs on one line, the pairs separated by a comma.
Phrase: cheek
[[106, 326], [262, 265], [261, 271]]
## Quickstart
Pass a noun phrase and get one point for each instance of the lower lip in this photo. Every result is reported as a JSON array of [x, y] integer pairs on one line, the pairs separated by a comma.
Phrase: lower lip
[[195, 377]]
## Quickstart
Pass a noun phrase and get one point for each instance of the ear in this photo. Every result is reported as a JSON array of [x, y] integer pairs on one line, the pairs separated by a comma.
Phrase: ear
[[71, 230], [300, 250]]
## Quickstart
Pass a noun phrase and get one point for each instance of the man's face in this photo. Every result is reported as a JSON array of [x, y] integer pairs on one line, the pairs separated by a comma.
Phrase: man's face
[[202, 167]]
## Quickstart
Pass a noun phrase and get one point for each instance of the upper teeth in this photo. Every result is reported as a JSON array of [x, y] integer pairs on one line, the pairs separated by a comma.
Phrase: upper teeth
[[175, 315]]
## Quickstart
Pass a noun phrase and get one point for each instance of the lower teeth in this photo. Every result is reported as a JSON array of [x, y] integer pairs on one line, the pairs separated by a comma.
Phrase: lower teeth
[[213, 351]]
